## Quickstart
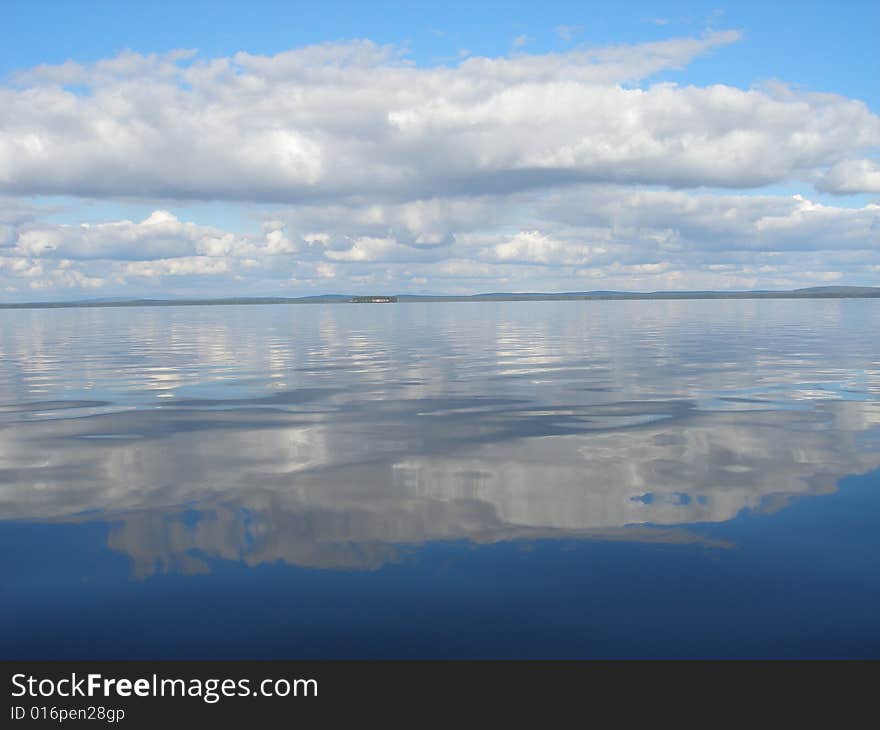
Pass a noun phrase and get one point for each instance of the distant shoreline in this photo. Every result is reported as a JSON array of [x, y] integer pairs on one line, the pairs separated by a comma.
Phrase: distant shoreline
[[823, 292]]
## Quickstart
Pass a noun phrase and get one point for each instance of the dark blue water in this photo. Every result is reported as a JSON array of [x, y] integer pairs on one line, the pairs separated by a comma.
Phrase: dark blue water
[[566, 479]]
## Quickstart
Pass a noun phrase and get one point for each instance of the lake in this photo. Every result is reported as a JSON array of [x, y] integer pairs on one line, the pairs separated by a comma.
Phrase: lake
[[583, 479]]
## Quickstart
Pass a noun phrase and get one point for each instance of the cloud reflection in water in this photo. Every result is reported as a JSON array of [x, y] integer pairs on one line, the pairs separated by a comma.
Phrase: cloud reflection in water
[[336, 436]]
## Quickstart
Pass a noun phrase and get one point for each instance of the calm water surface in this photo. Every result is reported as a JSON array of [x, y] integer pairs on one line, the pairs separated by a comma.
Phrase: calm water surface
[[534, 479]]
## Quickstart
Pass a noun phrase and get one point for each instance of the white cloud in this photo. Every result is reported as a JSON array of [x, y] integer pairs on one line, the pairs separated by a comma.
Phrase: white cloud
[[347, 120], [67, 279], [182, 266], [161, 235], [535, 247], [552, 171], [852, 176], [367, 249], [710, 224], [578, 238]]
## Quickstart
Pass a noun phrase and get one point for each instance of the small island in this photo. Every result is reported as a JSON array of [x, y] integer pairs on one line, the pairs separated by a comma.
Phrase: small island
[[373, 300]]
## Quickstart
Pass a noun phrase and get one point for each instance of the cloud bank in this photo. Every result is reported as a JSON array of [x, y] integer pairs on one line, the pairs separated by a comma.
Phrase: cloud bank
[[361, 170]]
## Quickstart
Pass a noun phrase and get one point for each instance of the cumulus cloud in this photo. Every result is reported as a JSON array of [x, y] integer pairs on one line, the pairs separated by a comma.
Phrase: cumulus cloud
[[718, 223], [161, 235], [577, 238], [537, 171], [852, 176], [337, 121]]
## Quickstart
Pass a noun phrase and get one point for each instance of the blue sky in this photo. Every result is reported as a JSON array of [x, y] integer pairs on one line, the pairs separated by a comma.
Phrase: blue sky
[[824, 46], [669, 145]]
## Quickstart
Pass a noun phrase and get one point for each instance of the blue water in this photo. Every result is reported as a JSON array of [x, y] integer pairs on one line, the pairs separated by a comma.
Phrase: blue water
[[542, 479]]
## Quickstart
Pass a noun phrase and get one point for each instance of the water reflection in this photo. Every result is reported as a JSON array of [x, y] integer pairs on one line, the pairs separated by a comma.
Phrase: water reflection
[[337, 436]]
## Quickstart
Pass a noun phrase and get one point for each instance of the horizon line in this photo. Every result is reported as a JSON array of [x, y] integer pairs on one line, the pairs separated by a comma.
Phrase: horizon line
[[835, 291]]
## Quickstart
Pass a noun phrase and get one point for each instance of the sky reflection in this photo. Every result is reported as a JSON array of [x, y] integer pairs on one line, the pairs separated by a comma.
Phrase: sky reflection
[[334, 436]]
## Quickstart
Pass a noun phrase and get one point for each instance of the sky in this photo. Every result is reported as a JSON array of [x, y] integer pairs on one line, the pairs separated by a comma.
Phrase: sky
[[289, 149]]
